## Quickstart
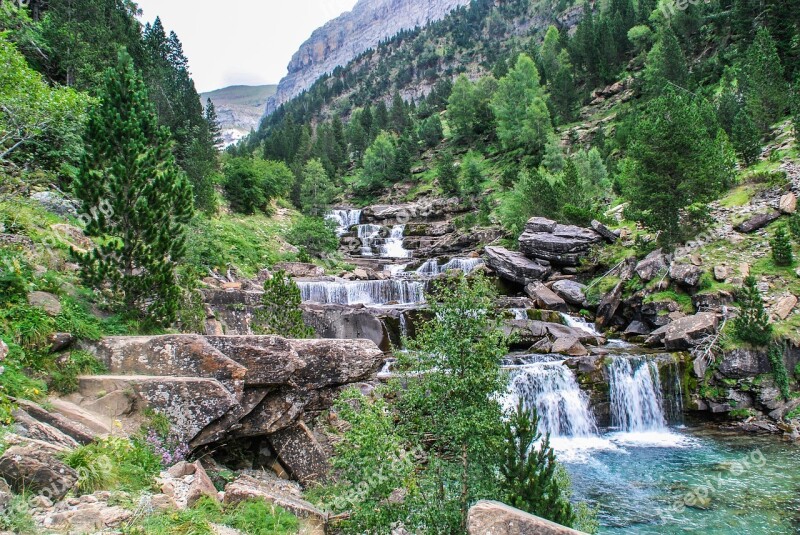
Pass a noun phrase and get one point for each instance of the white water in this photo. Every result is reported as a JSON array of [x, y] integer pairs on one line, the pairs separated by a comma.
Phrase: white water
[[362, 292], [551, 388], [519, 313], [580, 324], [344, 219], [368, 235], [432, 267], [636, 400], [403, 325], [393, 245]]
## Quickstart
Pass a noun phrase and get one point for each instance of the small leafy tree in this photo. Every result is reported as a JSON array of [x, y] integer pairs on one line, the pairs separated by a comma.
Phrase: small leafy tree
[[280, 312], [136, 198], [472, 173], [530, 478], [314, 235], [752, 324], [447, 173], [781, 246]]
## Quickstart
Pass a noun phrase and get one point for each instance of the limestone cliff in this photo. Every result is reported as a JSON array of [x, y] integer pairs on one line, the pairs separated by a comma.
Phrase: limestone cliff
[[352, 33]]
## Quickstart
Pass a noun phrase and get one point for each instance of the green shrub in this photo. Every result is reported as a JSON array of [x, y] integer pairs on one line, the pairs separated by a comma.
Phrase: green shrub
[[280, 312], [114, 463], [781, 246], [64, 377], [775, 355], [314, 235]]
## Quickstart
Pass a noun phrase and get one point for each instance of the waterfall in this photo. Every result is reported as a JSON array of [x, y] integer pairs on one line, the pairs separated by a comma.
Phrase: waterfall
[[580, 324], [432, 267], [550, 386], [368, 235], [403, 326], [393, 245], [344, 219], [519, 313], [362, 292], [636, 399]]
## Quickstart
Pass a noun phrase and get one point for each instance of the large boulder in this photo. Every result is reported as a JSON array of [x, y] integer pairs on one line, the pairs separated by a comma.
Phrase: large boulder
[[46, 301], [652, 265], [495, 518], [341, 321], [335, 362], [515, 266], [458, 243], [171, 355], [686, 275], [562, 245], [417, 212], [609, 235], [35, 469], [569, 346], [298, 450], [758, 221], [743, 363], [545, 298], [570, 291], [609, 305], [247, 487], [686, 332], [267, 360]]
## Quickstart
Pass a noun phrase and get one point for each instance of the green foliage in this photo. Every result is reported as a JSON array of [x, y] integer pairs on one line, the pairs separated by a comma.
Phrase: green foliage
[[472, 173], [520, 106], [114, 463], [65, 376], [752, 324], [251, 184], [280, 312], [254, 517], [430, 131], [447, 173], [666, 64], [529, 472], [316, 190], [765, 87], [314, 235], [678, 156], [781, 247], [746, 138], [378, 162], [469, 114], [136, 199], [775, 356], [17, 516], [39, 124], [535, 193]]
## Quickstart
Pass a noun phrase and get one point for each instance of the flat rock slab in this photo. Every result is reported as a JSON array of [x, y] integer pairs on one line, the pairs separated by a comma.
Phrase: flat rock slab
[[246, 488], [563, 245], [495, 518], [170, 355], [515, 266], [545, 298], [335, 362], [189, 403], [268, 360], [758, 221]]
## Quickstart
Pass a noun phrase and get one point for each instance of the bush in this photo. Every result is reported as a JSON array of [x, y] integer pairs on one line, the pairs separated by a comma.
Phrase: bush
[[781, 246], [250, 184], [314, 235], [114, 463], [779, 372]]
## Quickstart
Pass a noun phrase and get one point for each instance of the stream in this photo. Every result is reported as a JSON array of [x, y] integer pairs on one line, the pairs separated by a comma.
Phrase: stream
[[647, 471]]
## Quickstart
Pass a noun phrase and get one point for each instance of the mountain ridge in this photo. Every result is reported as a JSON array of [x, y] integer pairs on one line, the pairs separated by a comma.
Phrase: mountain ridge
[[239, 108]]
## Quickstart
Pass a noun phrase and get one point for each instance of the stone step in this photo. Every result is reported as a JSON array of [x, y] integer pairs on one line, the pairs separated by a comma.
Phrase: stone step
[[74, 429], [73, 412]]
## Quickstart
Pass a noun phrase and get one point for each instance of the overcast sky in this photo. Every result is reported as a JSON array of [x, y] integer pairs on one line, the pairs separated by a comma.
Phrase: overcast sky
[[241, 41]]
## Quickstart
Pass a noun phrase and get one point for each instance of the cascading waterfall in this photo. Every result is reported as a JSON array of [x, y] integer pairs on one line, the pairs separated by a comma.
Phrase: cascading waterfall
[[368, 235], [580, 324], [393, 245], [403, 325], [550, 386], [636, 400], [378, 292], [519, 313], [344, 219], [432, 267]]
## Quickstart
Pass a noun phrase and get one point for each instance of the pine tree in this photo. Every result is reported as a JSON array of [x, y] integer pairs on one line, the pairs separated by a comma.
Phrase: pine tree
[[782, 248], [317, 191], [472, 173], [530, 474], [766, 90], [666, 64], [746, 138], [129, 169], [752, 324], [447, 173], [280, 312], [214, 129]]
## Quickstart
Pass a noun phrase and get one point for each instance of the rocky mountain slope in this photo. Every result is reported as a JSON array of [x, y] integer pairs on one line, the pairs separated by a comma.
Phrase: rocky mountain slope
[[347, 36], [239, 108]]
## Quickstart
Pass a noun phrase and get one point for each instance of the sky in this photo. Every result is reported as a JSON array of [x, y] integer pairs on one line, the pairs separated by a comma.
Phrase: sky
[[247, 42]]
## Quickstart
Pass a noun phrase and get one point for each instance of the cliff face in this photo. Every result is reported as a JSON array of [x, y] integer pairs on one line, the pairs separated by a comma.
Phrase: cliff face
[[352, 33], [239, 109]]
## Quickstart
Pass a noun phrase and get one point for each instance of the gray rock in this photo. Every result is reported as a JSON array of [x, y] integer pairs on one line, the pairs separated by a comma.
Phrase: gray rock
[[637, 328], [686, 332], [743, 363], [651, 265], [300, 453], [299, 269], [3, 351], [545, 298], [246, 487], [788, 203], [5, 495], [685, 275], [564, 245], [570, 291], [341, 321], [56, 203], [34, 469], [26, 426], [569, 346], [515, 266], [495, 518], [758, 221], [46, 301], [604, 231], [608, 306], [60, 341]]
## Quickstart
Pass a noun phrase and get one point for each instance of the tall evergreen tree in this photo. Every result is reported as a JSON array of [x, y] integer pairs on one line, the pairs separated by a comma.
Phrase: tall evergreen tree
[[280, 312], [129, 170], [781, 246], [752, 324], [765, 88], [317, 190], [666, 64], [530, 478], [745, 137], [214, 128], [447, 173]]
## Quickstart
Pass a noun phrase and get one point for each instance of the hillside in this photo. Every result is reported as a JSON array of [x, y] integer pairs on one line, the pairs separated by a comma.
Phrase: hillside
[[350, 34], [239, 109]]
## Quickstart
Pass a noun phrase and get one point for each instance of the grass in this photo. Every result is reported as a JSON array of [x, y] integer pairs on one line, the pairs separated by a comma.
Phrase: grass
[[114, 463], [250, 243], [254, 517], [17, 516], [739, 196], [683, 300]]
